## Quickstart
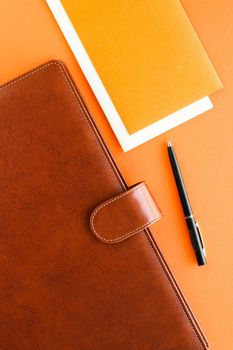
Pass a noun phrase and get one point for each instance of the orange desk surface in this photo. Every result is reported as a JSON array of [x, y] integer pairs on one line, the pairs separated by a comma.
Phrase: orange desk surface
[[29, 36]]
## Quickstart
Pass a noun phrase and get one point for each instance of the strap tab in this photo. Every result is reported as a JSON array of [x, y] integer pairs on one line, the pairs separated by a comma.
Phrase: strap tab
[[124, 215]]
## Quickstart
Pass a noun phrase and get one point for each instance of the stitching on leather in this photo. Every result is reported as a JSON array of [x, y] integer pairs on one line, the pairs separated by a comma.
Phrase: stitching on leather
[[104, 152], [177, 289], [154, 248], [140, 228], [101, 206], [26, 75], [83, 112]]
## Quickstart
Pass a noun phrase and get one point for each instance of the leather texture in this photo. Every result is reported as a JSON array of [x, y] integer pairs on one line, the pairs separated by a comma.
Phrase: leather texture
[[61, 287], [124, 215]]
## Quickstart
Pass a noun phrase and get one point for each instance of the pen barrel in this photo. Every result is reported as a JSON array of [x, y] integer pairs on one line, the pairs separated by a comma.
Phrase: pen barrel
[[196, 241]]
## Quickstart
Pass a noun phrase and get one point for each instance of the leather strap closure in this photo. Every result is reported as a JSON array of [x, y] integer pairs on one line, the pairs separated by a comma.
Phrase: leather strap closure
[[124, 215]]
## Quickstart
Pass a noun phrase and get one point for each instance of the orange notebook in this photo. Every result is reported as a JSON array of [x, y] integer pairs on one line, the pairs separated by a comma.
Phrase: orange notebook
[[143, 60]]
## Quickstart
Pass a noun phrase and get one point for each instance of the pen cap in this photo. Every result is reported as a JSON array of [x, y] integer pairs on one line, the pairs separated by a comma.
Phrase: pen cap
[[196, 240]]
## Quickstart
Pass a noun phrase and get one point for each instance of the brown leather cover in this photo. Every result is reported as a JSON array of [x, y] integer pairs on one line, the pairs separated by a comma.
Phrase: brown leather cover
[[62, 199]]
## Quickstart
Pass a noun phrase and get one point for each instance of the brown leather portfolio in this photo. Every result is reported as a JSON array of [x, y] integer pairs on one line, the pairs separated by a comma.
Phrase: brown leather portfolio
[[79, 267]]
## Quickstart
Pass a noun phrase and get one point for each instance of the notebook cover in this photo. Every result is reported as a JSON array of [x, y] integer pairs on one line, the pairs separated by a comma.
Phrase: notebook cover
[[61, 287], [143, 60]]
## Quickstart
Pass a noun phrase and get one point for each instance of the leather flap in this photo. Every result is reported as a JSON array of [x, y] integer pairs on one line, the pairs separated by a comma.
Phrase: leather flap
[[124, 215]]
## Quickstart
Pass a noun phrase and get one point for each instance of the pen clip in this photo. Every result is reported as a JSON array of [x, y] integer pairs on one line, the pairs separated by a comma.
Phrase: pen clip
[[201, 239]]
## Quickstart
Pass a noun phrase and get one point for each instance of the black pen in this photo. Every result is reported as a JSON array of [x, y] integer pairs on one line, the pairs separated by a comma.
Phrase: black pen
[[193, 227]]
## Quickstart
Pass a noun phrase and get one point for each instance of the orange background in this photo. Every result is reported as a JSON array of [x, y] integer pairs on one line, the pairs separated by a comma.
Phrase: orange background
[[29, 36]]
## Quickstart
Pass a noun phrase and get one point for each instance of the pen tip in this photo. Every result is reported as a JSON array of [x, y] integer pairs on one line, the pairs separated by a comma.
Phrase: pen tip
[[169, 144]]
